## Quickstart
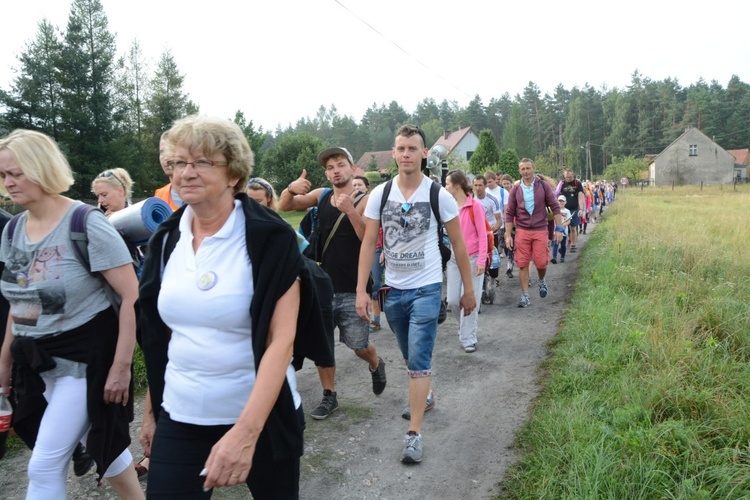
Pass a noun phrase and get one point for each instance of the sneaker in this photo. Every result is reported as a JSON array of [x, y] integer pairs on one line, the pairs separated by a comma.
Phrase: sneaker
[[412, 453], [82, 461], [529, 280], [573, 249], [509, 273], [542, 288], [553, 260], [470, 348], [326, 407], [525, 300], [562, 260], [406, 414], [378, 377], [374, 326]]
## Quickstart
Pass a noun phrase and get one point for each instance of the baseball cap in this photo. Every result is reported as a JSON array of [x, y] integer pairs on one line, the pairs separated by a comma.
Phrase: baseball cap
[[562, 198], [323, 157]]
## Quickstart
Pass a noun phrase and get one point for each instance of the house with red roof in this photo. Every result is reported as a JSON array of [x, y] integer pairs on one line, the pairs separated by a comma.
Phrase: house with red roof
[[741, 163], [379, 159], [692, 159], [461, 143]]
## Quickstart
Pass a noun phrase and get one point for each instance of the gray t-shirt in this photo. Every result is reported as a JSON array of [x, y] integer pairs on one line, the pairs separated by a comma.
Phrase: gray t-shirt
[[49, 290]]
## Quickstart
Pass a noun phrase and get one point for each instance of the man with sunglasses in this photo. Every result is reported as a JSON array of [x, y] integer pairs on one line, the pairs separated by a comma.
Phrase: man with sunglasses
[[413, 270], [340, 215]]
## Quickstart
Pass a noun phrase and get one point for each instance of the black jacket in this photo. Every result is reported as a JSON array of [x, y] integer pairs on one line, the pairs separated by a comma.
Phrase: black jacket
[[276, 264]]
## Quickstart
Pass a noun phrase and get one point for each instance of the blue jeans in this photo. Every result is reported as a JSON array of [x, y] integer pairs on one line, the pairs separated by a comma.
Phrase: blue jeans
[[412, 315], [562, 247]]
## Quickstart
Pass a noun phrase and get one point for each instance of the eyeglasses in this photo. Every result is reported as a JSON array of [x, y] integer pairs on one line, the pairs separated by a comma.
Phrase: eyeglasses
[[107, 174], [260, 183], [404, 209], [198, 165]]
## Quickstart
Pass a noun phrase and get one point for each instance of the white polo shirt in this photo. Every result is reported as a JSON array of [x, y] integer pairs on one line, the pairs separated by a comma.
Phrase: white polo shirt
[[205, 300]]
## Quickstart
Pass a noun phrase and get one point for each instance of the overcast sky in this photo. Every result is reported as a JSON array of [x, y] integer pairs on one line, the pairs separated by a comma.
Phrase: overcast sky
[[280, 60]]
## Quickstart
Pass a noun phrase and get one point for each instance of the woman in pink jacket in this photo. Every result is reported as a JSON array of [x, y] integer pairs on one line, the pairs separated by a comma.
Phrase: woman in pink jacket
[[471, 217]]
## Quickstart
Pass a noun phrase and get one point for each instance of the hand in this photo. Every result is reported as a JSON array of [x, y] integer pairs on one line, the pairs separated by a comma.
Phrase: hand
[[301, 185], [345, 202], [364, 305], [468, 302], [381, 259], [558, 237], [480, 270], [148, 428], [230, 460], [116, 387], [509, 241]]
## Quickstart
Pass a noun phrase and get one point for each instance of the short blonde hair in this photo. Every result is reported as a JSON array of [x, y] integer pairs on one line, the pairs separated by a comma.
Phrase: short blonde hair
[[117, 178], [212, 136], [40, 160]]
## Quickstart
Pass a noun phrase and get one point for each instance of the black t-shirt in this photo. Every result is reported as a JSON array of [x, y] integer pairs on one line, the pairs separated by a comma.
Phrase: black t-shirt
[[571, 190], [341, 258]]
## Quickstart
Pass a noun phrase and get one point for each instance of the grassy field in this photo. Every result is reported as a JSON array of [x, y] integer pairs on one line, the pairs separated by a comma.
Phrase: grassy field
[[645, 394], [293, 218]]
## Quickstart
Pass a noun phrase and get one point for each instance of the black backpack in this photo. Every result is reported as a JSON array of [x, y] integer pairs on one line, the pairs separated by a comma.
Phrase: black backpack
[[445, 251]]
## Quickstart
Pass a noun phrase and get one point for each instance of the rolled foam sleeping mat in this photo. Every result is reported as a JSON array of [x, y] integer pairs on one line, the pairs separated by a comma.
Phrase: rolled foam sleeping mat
[[138, 222]]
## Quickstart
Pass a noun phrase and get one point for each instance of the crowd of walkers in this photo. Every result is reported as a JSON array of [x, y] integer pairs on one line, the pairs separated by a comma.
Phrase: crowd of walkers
[[222, 300]]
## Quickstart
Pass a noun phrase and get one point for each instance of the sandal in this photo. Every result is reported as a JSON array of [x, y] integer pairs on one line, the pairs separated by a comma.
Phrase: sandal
[[141, 470]]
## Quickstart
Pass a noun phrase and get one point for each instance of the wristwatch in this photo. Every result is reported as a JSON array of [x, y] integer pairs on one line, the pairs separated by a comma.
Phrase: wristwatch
[[559, 229]]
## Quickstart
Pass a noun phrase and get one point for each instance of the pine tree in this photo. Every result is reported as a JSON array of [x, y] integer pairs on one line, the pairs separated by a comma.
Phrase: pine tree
[[486, 155], [34, 100], [86, 80]]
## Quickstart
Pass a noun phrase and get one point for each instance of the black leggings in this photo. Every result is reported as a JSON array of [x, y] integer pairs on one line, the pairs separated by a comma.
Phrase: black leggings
[[179, 452]]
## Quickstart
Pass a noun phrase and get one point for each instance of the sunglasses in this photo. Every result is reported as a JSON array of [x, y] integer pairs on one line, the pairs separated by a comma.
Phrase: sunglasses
[[108, 173], [404, 210]]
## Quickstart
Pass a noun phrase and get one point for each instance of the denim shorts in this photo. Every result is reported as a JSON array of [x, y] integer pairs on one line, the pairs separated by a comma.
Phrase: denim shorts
[[412, 315], [575, 220], [353, 330]]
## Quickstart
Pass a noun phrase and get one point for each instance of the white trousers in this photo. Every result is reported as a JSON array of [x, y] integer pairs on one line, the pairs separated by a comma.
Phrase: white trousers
[[467, 325], [64, 424]]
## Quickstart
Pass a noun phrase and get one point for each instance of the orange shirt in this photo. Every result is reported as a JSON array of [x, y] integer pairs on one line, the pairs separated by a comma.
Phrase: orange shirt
[[165, 193]]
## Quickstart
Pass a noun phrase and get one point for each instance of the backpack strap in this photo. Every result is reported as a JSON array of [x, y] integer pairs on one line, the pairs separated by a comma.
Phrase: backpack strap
[[12, 223], [434, 195], [336, 225], [78, 237], [384, 199]]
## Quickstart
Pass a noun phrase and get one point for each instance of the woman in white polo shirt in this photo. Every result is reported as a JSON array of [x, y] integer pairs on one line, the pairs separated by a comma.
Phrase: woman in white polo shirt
[[219, 303]]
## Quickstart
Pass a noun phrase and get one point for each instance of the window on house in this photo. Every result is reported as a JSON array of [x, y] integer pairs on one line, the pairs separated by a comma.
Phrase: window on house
[[468, 155], [693, 150]]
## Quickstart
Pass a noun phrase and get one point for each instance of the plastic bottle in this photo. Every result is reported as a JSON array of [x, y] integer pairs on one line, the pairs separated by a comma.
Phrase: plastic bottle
[[6, 415]]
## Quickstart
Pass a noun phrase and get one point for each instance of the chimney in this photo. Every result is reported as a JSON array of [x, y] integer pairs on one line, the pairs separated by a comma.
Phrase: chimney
[[446, 134]]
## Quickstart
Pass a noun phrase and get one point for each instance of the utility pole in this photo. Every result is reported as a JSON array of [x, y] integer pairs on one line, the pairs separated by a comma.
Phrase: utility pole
[[560, 156]]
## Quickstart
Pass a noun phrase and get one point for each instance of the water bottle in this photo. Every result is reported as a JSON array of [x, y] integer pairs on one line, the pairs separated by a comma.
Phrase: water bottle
[[495, 263], [6, 415]]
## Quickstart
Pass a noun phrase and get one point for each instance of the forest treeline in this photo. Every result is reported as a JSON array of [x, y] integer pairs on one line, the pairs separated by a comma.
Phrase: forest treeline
[[108, 109]]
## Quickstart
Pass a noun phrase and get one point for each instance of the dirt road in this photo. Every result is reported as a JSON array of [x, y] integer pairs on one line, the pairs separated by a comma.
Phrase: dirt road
[[482, 399]]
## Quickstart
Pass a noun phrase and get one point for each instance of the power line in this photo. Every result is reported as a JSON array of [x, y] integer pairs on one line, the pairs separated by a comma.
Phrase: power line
[[403, 50]]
